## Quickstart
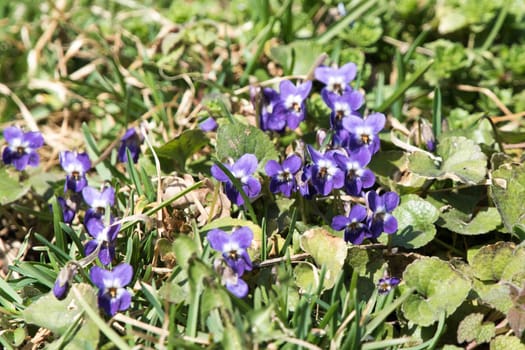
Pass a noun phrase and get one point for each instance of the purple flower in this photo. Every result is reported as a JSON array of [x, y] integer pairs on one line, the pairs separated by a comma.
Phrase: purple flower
[[357, 176], [103, 235], [233, 247], [293, 98], [364, 132], [112, 296], [325, 175], [242, 169], [76, 165], [231, 279], [382, 206], [272, 114], [68, 209], [63, 282], [342, 106], [208, 125], [336, 79], [99, 201], [132, 141], [21, 147], [354, 225], [385, 284], [283, 176]]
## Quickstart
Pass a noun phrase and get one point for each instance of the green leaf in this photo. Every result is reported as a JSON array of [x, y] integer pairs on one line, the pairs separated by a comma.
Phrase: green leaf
[[489, 262], [462, 160], [439, 287], [235, 140], [507, 191], [10, 187], [184, 248], [506, 342], [181, 148], [59, 315], [485, 220], [306, 277], [327, 250], [415, 218], [495, 294], [472, 328], [365, 262]]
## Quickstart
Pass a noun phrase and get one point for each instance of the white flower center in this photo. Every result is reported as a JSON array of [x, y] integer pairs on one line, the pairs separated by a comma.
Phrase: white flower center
[[293, 102], [336, 84]]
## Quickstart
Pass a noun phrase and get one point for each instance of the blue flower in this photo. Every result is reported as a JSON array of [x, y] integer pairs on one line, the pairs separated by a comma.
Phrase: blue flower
[[342, 106], [382, 206], [21, 147], [272, 114], [112, 294], [68, 209], [292, 98], [233, 247], [103, 235], [98, 201], [132, 141], [325, 175], [242, 169], [337, 80], [357, 176], [354, 225], [282, 177], [76, 165], [364, 132], [385, 284], [209, 124]]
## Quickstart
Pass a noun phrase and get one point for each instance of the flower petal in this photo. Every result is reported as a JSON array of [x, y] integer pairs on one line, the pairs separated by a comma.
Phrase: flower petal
[[349, 71], [218, 238], [123, 273], [240, 289], [391, 200], [243, 236], [98, 275], [247, 164], [339, 222], [293, 163], [272, 168]]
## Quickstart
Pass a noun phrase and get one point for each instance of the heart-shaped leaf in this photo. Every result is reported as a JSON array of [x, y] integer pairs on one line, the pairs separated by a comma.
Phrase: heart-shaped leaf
[[328, 251], [58, 315], [236, 139], [439, 288], [507, 191], [415, 217], [462, 160]]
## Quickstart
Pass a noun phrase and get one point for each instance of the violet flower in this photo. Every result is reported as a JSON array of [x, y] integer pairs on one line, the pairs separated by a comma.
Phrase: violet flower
[[342, 106], [325, 175], [76, 165], [382, 206], [103, 235], [68, 209], [132, 141], [293, 98], [21, 147], [242, 169], [233, 247], [63, 282], [209, 124], [336, 79], [386, 284], [232, 280], [99, 201], [364, 132], [357, 176], [282, 177], [354, 225], [272, 114], [112, 294]]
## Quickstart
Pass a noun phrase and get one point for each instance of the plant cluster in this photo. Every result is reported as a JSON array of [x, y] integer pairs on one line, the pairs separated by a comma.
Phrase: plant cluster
[[295, 174]]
